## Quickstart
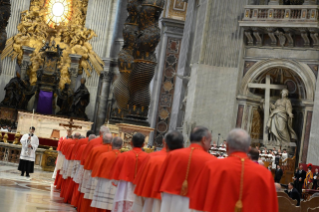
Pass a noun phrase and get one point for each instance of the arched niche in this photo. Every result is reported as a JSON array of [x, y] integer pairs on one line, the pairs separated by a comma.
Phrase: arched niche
[[300, 81]]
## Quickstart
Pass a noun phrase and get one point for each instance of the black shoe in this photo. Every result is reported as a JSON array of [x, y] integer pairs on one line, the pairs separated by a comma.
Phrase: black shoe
[[27, 175], [22, 175]]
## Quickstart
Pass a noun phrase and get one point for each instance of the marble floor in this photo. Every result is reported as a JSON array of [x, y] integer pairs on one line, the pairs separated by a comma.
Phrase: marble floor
[[20, 194]]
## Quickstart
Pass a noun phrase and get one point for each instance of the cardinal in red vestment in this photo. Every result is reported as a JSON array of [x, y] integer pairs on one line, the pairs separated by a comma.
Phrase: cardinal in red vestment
[[180, 170], [125, 170], [85, 174], [147, 199], [60, 160], [64, 150], [65, 192], [79, 172], [89, 187], [105, 190], [73, 166], [235, 183]]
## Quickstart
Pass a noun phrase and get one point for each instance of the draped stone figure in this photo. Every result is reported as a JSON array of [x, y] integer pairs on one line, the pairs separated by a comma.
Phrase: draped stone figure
[[65, 100], [279, 124], [81, 100]]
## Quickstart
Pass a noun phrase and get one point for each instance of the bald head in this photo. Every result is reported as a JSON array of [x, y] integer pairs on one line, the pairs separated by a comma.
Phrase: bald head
[[117, 143], [278, 187], [238, 140], [92, 136], [77, 135], [107, 138]]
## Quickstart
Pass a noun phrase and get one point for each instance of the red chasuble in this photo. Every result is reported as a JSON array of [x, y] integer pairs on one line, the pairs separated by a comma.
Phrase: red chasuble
[[104, 164], [128, 164], [60, 143], [77, 147], [94, 155], [93, 143], [64, 145], [173, 172], [218, 186], [141, 169], [146, 177]]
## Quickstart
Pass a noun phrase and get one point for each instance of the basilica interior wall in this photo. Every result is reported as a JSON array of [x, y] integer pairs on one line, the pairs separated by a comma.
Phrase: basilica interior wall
[[211, 98], [214, 66]]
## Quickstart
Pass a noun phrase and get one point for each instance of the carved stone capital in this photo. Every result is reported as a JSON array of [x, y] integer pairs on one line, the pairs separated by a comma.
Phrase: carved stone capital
[[314, 36], [271, 33], [305, 37], [249, 37], [257, 35]]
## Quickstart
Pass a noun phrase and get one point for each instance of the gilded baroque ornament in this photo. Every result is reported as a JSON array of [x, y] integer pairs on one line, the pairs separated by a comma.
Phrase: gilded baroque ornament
[[55, 22]]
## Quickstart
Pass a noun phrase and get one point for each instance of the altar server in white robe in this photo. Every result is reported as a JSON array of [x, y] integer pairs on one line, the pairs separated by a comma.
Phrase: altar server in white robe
[[30, 143]]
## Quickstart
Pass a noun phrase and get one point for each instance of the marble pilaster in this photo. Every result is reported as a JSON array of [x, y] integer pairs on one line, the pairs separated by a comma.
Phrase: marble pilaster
[[106, 79], [313, 146], [164, 80]]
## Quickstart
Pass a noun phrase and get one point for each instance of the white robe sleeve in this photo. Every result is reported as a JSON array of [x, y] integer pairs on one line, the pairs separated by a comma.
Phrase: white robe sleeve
[[24, 142], [35, 143]]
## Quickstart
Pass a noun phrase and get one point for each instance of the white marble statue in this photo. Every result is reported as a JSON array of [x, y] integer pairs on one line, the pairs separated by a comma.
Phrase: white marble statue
[[279, 124]]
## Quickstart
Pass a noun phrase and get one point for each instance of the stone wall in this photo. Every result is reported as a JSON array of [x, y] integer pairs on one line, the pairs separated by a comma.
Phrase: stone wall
[[216, 43], [211, 98]]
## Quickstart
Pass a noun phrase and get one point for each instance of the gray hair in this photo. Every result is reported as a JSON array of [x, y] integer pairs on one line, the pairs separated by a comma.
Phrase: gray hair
[[238, 140], [117, 143], [77, 135], [104, 129], [107, 138], [92, 136]]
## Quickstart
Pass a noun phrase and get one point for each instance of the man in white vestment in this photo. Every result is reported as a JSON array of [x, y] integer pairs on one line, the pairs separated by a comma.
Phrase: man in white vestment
[[30, 143]]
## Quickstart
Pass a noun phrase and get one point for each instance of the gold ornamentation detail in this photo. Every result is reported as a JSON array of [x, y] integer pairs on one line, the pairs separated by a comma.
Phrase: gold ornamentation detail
[[164, 114], [176, 13], [71, 36], [17, 138]]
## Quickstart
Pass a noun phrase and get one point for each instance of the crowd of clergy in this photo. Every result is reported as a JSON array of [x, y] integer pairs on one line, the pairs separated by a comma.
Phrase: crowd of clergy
[[93, 175]]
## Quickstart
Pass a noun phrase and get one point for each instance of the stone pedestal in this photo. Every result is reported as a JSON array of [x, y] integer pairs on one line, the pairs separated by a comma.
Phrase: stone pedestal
[[26, 60], [45, 124], [74, 69], [309, 2], [126, 132], [273, 2]]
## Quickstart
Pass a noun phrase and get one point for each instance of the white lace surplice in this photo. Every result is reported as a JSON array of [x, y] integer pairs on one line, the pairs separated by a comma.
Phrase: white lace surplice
[[124, 197], [175, 203], [104, 194]]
